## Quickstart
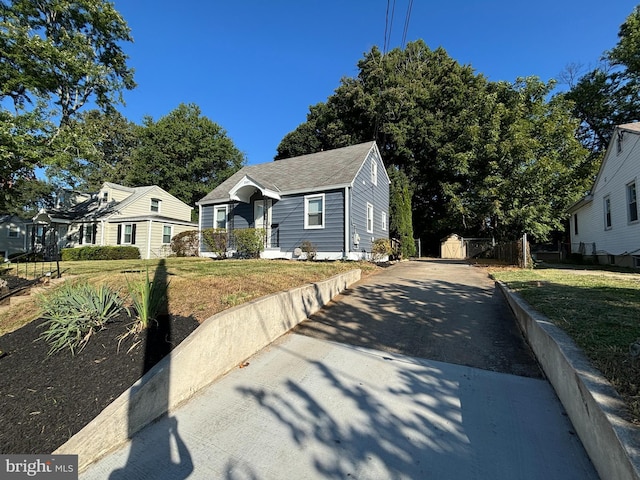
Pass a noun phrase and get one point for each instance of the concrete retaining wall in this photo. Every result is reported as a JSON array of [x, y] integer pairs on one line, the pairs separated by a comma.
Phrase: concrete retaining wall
[[593, 405], [218, 345]]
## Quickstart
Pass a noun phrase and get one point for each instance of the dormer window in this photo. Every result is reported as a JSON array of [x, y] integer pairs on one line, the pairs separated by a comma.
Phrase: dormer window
[[155, 205], [105, 197]]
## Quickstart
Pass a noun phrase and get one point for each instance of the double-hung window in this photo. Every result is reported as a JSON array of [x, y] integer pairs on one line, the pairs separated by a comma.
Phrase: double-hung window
[[374, 172], [14, 231], [88, 234], [607, 212], [632, 202], [384, 221], [127, 234], [220, 217], [369, 218], [166, 234], [155, 205], [314, 211]]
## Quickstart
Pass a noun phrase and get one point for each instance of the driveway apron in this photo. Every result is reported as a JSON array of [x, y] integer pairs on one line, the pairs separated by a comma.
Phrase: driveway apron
[[418, 372]]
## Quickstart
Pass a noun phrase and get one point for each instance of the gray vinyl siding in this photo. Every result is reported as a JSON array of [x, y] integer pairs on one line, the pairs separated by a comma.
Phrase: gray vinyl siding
[[288, 213], [363, 192], [206, 218], [242, 215]]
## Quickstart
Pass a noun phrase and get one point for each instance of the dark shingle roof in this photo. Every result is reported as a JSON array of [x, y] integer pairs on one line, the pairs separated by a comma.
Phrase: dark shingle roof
[[315, 171]]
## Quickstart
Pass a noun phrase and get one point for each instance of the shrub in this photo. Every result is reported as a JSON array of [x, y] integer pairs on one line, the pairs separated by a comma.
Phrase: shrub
[[149, 298], [249, 241], [381, 249], [185, 244], [309, 249], [216, 240], [74, 312], [101, 253]]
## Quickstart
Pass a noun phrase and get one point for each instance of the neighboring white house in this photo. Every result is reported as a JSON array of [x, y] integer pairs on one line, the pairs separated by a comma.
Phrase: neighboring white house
[[606, 223], [145, 217]]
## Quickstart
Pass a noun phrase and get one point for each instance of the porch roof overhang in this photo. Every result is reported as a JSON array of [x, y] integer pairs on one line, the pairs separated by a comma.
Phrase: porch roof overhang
[[42, 217], [246, 187]]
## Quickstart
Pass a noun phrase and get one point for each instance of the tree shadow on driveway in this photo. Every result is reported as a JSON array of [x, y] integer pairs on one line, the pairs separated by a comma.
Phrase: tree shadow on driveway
[[466, 322]]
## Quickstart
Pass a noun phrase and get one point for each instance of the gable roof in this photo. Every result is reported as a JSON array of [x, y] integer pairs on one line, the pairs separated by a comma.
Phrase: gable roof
[[316, 171], [633, 128], [93, 209]]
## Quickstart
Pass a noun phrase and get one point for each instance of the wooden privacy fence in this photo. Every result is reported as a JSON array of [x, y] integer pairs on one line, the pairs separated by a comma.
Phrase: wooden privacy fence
[[512, 252]]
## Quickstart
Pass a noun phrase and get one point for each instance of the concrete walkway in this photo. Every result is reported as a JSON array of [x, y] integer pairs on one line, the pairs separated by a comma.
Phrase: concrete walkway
[[309, 407]]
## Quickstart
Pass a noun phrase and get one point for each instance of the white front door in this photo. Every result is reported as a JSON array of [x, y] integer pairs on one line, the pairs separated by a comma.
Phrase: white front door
[[259, 218]]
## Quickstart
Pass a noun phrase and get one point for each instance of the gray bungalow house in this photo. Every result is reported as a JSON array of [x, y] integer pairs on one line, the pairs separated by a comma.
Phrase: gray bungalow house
[[337, 199]]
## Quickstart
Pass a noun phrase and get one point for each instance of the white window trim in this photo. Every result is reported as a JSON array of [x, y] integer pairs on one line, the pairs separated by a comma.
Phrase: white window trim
[[307, 199], [384, 221], [151, 205], [88, 234], [607, 198], [124, 234], [216, 209], [369, 217], [374, 171], [170, 234], [628, 192]]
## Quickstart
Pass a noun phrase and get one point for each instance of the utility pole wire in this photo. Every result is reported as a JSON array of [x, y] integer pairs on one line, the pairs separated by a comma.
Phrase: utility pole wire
[[406, 23]]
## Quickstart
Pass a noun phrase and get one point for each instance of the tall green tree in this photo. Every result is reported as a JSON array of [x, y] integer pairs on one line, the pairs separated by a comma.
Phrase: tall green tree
[[417, 104], [481, 157], [55, 56], [400, 222], [94, 148], [30, 196], [609, 95], [529, 166], [185, 153]]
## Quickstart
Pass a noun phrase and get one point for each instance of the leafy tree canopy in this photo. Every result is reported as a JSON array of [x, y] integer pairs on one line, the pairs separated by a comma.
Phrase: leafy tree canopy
[[482, 157], [93, 148], [609, 95], [185, 153], [55, 56]]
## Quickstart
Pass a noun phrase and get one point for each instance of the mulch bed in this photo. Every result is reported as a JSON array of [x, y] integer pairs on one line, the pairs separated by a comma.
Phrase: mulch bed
[[44, 400]]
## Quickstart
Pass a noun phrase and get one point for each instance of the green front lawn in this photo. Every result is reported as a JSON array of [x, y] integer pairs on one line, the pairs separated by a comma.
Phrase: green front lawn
[[600, 310], [198, 287]]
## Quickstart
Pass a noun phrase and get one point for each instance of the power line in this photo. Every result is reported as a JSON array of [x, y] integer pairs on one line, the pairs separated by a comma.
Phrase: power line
[[406, 23], [388, 25]]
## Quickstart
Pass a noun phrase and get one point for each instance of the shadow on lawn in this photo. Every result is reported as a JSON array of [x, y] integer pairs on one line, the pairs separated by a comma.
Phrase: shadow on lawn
[[157, 347]]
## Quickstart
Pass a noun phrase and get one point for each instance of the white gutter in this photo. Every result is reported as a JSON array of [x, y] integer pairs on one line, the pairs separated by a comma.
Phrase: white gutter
[[347, 212], [200, 228], [149, 239]]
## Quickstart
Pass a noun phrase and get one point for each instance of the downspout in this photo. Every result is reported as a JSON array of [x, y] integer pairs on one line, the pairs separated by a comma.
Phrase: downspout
[[347, 216], [149, 239], [102, 233], [199, 229]]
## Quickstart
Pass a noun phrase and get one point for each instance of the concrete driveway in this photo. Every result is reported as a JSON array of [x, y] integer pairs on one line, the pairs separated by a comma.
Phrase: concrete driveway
[[416, 373]]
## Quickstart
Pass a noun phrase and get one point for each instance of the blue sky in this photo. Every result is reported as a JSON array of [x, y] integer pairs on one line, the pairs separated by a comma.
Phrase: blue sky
[[255, 66]]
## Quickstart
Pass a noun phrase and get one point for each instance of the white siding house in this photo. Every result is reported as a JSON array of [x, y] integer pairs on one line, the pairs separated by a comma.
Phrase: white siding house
[[145, 217], [605, 224]]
